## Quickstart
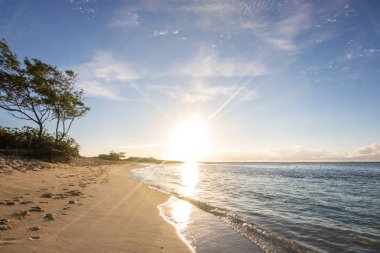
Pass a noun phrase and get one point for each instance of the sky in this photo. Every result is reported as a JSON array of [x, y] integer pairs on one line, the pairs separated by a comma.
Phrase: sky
[[269, 80]]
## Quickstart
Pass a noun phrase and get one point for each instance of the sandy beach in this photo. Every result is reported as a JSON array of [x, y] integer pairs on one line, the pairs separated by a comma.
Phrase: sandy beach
[[48, 207]]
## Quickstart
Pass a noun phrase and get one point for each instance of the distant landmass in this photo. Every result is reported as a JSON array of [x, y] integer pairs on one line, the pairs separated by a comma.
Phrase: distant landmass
[[149, 160]]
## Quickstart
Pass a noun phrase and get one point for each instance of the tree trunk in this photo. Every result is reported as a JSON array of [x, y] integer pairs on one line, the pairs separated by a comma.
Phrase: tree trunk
[[40, 130], [57, 130]]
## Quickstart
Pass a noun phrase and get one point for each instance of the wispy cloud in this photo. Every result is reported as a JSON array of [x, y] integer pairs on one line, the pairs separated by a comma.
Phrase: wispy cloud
[[290, 26], [86, 7], [297, 25], [200, 91], [103, 76], [353, 51], [160, 33], [130, 19], [207, 64], [207, 77]]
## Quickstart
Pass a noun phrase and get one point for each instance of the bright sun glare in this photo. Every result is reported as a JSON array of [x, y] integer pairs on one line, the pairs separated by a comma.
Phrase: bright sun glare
[[190, 141]]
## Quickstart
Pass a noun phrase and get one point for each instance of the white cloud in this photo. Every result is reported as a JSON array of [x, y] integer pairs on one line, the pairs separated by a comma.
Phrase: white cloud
[[228, 8], [291, 26], [125, 17], [372, 149], [130, 20], [104, 76], [209, 65], [196, 74], [367, 153], [203, 92], [97, 89], [293, 19], [189, 92], [84, 6], [284, 44], [160, 33], [199, 91]]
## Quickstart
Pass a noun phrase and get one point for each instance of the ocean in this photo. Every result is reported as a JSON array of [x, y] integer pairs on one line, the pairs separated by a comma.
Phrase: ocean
[[271, 207]]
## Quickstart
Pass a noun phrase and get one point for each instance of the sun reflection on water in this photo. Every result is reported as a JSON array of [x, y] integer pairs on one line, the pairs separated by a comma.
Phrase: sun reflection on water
[[190, 178], [181, 211]]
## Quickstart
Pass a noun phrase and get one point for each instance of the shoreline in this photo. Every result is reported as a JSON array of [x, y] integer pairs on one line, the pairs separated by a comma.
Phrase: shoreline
[[65, 208]]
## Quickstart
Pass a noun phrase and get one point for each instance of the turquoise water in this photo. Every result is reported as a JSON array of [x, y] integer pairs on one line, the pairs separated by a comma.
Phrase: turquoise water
[[279, 207]]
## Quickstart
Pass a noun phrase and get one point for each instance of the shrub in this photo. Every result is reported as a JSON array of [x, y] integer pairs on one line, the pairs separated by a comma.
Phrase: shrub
[[113, 156], [27, 140]]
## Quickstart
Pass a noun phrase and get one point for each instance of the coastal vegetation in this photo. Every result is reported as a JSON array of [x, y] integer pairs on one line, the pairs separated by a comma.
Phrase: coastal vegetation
[[119, 156], [112, 156], [26, 142], [37, 92], [150, 160]]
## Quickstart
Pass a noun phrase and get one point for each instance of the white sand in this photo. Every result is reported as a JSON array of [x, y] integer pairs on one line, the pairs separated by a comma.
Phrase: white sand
[[111, 214]]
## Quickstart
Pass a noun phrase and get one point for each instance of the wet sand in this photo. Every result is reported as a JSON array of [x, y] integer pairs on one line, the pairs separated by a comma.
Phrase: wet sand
[[64, 208]]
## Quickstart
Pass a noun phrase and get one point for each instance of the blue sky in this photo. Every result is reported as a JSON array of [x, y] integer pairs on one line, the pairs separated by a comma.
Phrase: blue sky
[[272, 80]]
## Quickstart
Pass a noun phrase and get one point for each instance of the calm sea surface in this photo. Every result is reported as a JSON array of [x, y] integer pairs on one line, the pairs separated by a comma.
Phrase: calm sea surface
[[272, 207]]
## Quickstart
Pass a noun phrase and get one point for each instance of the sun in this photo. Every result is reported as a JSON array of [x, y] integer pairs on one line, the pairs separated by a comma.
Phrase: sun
[[190, 141]]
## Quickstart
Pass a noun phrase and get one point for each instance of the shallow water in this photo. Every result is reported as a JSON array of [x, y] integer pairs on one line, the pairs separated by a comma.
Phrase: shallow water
[[281, 207]]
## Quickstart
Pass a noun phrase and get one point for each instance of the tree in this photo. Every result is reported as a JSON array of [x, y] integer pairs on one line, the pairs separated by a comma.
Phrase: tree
[[67, 104], [39, 92], [113, 156]]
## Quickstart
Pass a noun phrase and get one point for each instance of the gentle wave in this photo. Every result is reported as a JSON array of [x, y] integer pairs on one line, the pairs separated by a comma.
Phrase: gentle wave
[[317, 207], [268, 242]]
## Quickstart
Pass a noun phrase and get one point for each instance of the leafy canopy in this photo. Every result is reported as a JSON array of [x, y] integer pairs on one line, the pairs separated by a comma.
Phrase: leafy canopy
[[38, 92]]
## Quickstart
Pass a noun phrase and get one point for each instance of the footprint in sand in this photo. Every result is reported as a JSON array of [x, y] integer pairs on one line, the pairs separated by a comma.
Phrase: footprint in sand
[[34, 228], [26, 202], [35, 238], [36, 209], [7, 202], [60, 196], [18, 198], [5, 224], [8, 240], [20, 214], [47, 195], [74, 193], [49, 217]]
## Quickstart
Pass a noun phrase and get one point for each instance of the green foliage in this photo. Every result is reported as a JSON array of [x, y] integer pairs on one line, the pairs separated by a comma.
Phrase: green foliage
[[48, 148], [24, 138], [38, 92], [69, 147], [113, 156]]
